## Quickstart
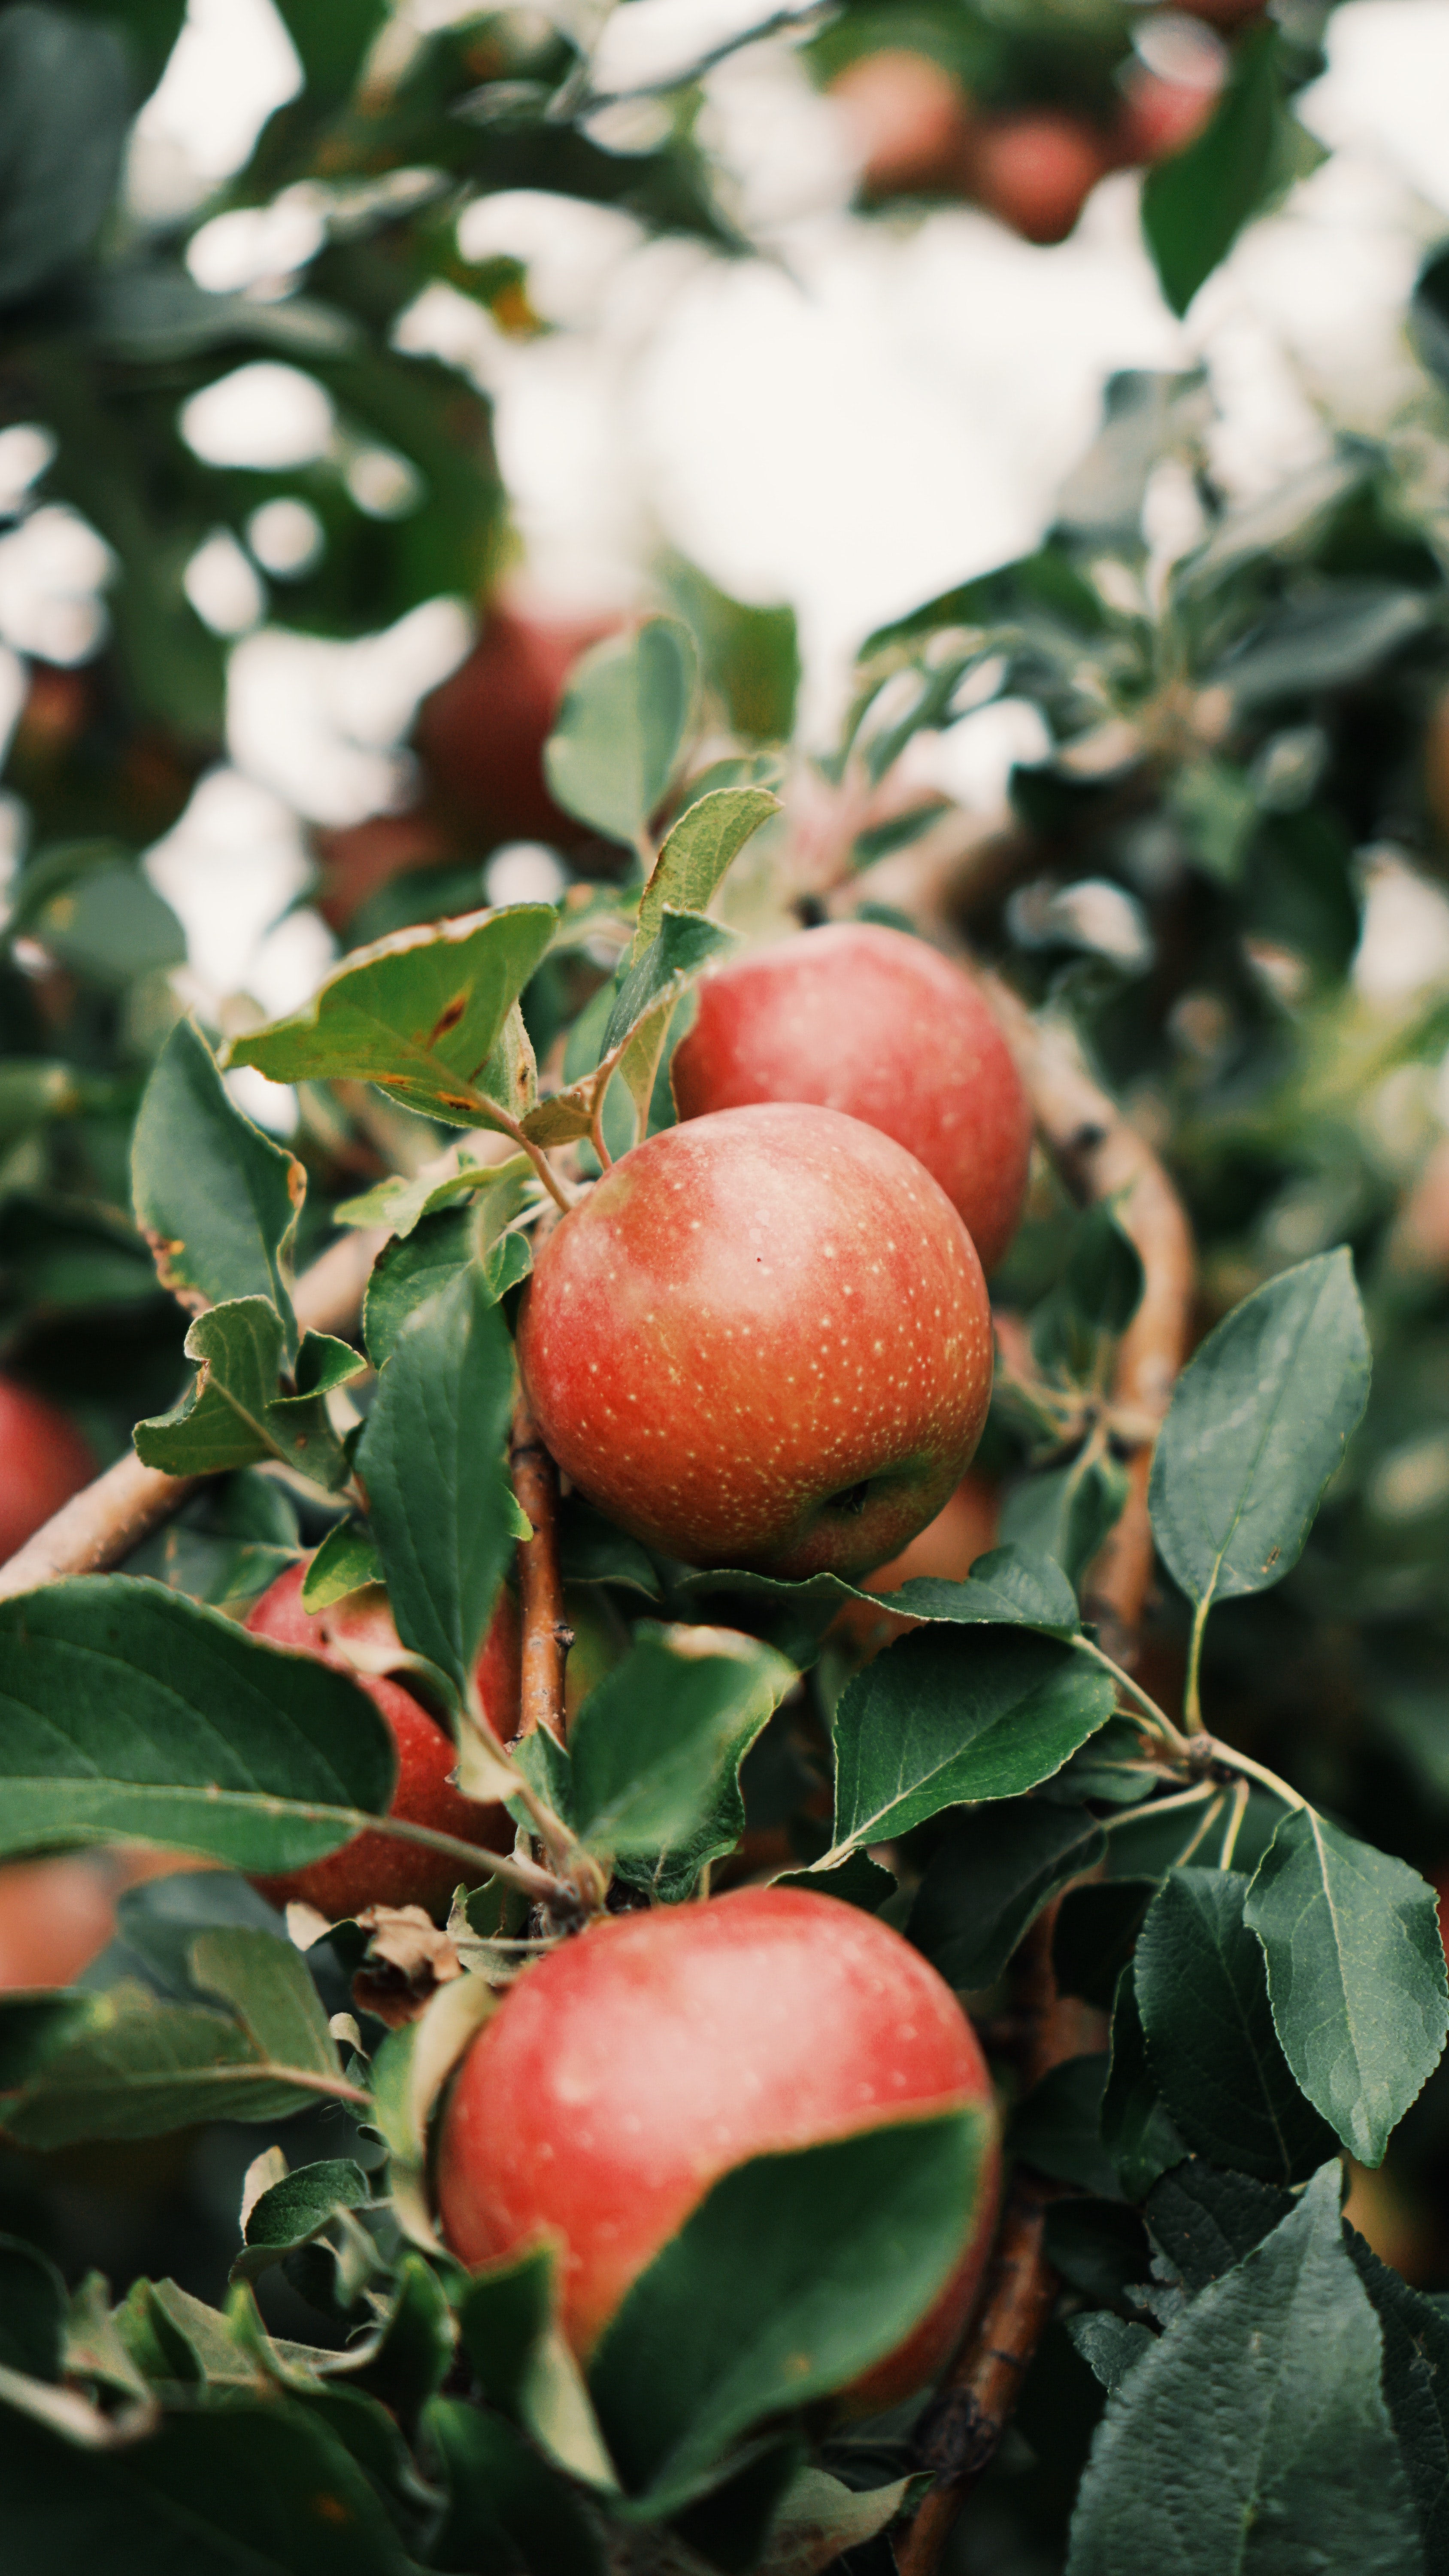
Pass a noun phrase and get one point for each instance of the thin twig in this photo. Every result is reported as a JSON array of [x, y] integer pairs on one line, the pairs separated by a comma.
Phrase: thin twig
[[547, 1635], [101, 1524]]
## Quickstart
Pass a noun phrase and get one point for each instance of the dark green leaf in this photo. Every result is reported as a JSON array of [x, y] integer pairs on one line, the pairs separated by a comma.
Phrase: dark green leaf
[[245, 2486], [989, 1878], [1099, 2247], [1355, 1973], [269, 1987], [217, 1201], [944, 1718], [1416, 2388], [64, 108], [410, 1270], [1137, 2128], [1094, 1936], [1326, 642], [295, 2210], [1205, 2221], [432, 1461], [145, 2067], [1253, 2434], [502, 2315], [235, 1413], [108, 921], [1203, 1997], [657, 1746], [793, 2276], [507, 2510], [32, 2311], [621, 727], [130, 1713], [1011, 1587], [1257, 1426], [1195, 204], [1066, 1512], [414, 2352], [1058, 2126], [856, 1880], [423, 1014], [681, 947], [1110, 2345]]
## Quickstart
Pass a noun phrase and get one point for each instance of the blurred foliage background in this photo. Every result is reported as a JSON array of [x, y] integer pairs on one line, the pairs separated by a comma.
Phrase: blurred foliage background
[[357, 367]]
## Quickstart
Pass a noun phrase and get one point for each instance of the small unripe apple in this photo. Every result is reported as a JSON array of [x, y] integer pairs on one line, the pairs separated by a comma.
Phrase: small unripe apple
[[762, 1340], [909, 118], [481, 734], [356, 1634], [43, 1461], [634, 2067], [872, 1022], [1035, 168]]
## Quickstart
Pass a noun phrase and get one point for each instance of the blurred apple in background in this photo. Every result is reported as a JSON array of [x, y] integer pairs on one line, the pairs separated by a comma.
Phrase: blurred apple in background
[[43, 1461], [480, 736], [910, 121]]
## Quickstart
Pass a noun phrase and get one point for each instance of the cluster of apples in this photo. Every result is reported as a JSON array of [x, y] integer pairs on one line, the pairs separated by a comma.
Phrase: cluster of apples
[[762, 1339], [918, 131]]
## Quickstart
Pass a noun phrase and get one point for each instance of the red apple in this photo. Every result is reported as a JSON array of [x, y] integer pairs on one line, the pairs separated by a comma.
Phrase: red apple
[[909, 118], [357, 1634], [358, 860], [1035, 168], [43, 1461], [875, 1023], [633, 2067], [763, 1340], [481, 735]]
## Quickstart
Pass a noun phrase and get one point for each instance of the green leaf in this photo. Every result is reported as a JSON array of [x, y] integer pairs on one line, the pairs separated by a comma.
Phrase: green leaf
[[32, 2311], [857, 1880], [1058, 2126], [988, 1879], [432, 1460], [1095, 1934], [1257, 1426], [696, 857], [246, 2485], [506, 2507], [1195, 205], [502, 2314], [217, 1201], [1416, 2388], [1110, 2346], [794, 2275], [107, 921], [943, 1719], [423, 1014], [64, 108], [1138, 2131], [1253, 2436], [658, 973], [147, 2067], [345, 1561], [1099, 2247], [234, 1414], [412, 1269], [1203, 1997], [269, 1987], [129, 1713], [658, 1744], [1011, 1587], [1205, 2221], [1355, 1973], [295, 2210], [501, 1189], [1067, 1512], [619, 733]]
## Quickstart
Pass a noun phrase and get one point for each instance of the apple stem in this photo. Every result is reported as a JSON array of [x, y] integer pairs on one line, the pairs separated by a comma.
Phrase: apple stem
[[547, 1635]]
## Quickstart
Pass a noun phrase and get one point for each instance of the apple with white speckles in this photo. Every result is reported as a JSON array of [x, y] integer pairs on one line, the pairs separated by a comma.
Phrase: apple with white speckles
[[633, 2068], [763, 1340]]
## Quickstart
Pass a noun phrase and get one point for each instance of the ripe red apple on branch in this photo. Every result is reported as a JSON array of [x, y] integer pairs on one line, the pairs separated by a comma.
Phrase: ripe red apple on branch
[[634, 2067], [875, 1023], [357, 1634], [762, 1340]]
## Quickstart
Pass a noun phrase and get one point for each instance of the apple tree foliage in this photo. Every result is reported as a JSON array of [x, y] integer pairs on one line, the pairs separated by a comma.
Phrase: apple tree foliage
[[285, 2369]]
